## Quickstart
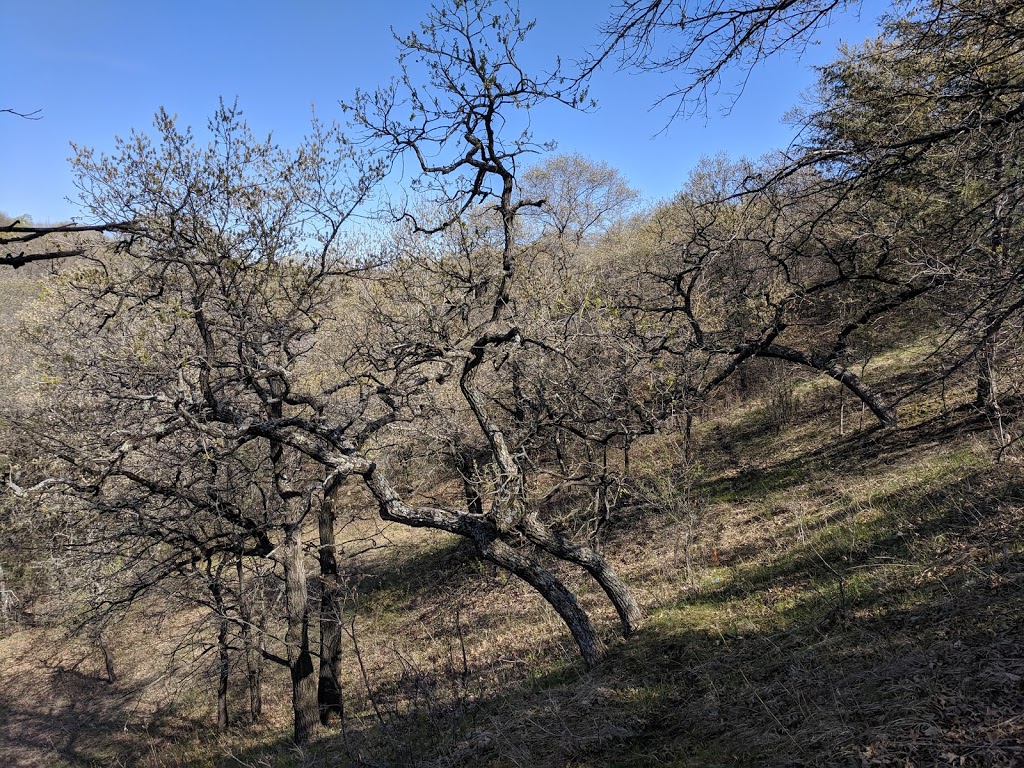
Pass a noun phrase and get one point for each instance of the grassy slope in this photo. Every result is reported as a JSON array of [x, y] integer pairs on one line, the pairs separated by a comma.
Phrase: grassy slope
[[850, 600]]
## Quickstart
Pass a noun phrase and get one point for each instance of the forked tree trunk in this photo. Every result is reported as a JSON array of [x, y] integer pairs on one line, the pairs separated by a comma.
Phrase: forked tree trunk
[[482, 532], [554, 543], [300, 659], [486, 537], [551, 589], [329, 696]]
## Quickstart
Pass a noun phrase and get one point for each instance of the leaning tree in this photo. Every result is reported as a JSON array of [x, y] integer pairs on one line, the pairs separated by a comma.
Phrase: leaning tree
[[234, 263], [471, 304]]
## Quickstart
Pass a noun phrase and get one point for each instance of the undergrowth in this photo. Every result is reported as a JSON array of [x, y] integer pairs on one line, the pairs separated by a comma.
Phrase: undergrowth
[[813, 598]]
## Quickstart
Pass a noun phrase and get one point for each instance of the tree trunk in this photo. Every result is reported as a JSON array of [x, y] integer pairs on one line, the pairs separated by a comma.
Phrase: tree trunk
[[467, 468], [329, 696], [486, 537], [507, 507], [985, 396], [223, 657], [554, 543], [300, 660], [551, 589], [873, 400], [108, 658], [252, 644], [305, 708]]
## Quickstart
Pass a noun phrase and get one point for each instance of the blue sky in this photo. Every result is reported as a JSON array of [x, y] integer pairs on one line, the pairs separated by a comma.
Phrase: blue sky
[[99, 68]]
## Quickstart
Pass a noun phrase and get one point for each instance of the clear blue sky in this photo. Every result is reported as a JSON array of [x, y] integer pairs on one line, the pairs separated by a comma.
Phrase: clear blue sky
[[99, 68]]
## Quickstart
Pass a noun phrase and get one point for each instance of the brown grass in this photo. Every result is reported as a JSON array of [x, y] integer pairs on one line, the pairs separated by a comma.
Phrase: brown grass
[[850, 600]]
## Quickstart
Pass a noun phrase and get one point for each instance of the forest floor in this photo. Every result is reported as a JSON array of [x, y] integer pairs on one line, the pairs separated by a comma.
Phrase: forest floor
[[813, 598]]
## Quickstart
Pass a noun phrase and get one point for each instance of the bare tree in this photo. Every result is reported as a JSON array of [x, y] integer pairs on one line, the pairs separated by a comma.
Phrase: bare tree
[[49, 243], [708, 45], [207, 307], [925, 121], [476, 85], [207, 315]]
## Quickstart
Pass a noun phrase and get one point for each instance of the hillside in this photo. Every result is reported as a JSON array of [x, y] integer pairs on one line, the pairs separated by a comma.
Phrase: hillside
[[412, 441], [813, 598]]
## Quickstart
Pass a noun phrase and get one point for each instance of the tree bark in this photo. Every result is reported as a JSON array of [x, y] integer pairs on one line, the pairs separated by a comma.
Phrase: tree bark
[[486, 536], [467, 468], [985, 396], [507, 507], [873, 400], [553, 591], [300, 660], [329, 696], [554, 543], [223, 657], [252, 644], [108, 658]]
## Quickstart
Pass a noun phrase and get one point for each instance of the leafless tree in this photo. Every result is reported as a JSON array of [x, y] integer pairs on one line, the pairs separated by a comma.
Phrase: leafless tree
[[707, 45], [474, 88]]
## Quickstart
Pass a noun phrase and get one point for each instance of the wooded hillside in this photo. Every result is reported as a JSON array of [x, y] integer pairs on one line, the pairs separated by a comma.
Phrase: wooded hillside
[[517, 470]]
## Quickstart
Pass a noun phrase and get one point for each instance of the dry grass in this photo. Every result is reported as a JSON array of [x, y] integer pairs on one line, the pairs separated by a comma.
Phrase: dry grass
[[849, 599]]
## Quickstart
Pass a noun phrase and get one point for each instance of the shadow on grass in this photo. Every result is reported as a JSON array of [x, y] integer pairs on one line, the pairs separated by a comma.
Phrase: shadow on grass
[[852, 455], [417, 577], [918, 676], [889, 684], [64, 716], [916, 665], [912, 519]]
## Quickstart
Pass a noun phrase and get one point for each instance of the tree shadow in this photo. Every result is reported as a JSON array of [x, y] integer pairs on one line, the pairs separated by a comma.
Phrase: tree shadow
[[924, 680], [62, 714]]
